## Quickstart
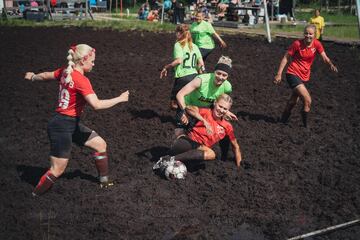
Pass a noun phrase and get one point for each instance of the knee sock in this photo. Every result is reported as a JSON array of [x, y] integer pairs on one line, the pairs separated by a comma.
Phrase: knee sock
[[190, 155], [102, 165], [304, 116], [45, 183], [285, 116]]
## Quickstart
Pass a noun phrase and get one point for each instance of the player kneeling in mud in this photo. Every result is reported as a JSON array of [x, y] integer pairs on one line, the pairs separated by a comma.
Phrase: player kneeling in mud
[[65, 128], [209, 129]]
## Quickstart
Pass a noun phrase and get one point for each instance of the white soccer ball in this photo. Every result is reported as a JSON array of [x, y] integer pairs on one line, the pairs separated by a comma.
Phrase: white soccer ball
[[177, 170]]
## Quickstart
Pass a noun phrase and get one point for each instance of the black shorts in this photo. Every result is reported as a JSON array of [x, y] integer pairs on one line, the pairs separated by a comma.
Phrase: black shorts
[[293, 80], [180, 83], [63, 131], [205, 53]]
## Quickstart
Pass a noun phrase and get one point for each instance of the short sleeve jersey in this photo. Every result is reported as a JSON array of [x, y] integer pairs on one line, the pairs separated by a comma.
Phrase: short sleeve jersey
[[302, 58], [202, 34], [189, 57], [71, 100], [207, 93], [319, 23], [220, 129]]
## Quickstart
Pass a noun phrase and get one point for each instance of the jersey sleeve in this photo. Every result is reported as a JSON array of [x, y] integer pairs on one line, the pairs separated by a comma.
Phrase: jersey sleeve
[[84, 86], [227, 87], [230, 131], [210, 28], [58, 72], [319, 47], [293, 48], [178, 51]]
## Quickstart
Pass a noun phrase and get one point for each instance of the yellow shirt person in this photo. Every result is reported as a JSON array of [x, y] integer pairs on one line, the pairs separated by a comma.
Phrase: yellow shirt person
[[319, 22]]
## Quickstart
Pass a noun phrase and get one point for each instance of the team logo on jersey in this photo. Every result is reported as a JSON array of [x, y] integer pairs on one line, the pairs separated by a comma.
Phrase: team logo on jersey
[[220, 130]]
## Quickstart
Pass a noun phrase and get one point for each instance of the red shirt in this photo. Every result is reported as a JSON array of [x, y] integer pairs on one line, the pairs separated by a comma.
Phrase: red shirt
[[220, 128], [71, 96], [303, 57]]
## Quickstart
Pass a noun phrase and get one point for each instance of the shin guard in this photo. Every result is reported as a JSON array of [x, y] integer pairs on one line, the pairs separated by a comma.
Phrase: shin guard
[[102, 165], [45, 183]]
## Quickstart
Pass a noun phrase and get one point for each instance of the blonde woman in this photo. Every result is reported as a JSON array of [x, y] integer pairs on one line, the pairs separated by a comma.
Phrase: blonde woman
[[65, 128], [301, 55], [210, 128], [187, 62]]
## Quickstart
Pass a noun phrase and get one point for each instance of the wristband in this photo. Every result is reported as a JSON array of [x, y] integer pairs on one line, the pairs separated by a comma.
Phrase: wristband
[[33, 78]]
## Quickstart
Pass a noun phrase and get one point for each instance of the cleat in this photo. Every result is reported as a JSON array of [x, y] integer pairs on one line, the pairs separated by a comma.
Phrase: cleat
[[106, 184], [164, 162]]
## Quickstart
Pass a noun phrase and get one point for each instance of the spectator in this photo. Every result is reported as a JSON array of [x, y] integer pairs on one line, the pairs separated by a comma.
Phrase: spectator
[[144, 11], [222, 7], [153, 16], [319, 22], [167, 5], [178, 12]]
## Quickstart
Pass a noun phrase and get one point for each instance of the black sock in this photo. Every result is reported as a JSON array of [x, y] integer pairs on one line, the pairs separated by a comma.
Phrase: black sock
[[190, 155], [304, 116], [285, 116]]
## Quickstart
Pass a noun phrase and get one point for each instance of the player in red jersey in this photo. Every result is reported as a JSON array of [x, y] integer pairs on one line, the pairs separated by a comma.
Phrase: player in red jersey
[[211, 128], [65, 128], [301, 55]]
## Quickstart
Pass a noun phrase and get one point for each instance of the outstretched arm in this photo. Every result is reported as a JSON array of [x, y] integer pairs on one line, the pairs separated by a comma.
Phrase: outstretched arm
[[98, 104], [44, 76], [186, 90], [327, 60], [221, 41], [174, 63], [194, 112], [237, 152], [283, 63]]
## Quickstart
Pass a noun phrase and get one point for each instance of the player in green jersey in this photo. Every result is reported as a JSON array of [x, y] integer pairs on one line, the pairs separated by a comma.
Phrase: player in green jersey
[[187, 62], [203, 35]]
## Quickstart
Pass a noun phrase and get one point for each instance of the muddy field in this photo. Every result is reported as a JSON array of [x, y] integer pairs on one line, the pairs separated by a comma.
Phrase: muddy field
[[293, 180]]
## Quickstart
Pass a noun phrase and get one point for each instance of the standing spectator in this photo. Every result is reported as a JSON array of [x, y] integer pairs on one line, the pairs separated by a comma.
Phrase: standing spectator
[[65, 127], [319, 22], [187, 62], [203, 33], [302, 54]]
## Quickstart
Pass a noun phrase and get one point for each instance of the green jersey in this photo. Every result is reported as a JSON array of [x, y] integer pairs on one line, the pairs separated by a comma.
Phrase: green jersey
[[202, 34], [189, 57], [207, 93]]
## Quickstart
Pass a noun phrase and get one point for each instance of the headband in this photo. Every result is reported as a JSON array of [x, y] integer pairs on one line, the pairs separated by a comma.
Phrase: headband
[[223, 67]]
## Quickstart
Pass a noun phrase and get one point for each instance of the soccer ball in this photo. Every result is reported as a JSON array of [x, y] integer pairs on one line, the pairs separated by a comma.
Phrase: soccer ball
[[177, 170]]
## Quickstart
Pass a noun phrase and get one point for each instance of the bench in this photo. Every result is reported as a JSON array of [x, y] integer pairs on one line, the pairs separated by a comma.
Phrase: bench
[[233, 13]]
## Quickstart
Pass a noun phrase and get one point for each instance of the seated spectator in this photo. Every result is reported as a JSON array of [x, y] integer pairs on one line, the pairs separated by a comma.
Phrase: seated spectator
[[153, 16], [34, 5], [144, 11], [222, 7]]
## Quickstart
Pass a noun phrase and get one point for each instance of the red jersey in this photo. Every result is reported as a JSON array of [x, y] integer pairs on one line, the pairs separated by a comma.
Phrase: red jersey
[[220, 128], [71, 95], [303, 57]]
